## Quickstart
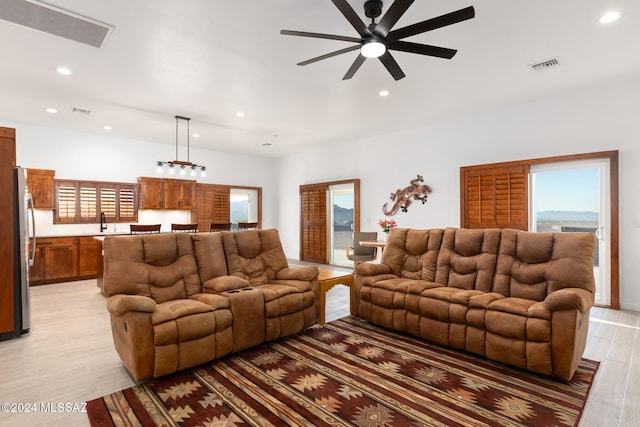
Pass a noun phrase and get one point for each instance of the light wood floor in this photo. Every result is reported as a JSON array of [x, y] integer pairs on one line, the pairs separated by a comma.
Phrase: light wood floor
[[69, 358]]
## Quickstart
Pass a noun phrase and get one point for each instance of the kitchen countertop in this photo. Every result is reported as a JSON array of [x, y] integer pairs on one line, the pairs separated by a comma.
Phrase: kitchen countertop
[[87, 234]]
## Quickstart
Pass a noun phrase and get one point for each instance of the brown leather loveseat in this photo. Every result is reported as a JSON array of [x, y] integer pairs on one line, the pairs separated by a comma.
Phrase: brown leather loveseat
[[515, 297], [178, 300]]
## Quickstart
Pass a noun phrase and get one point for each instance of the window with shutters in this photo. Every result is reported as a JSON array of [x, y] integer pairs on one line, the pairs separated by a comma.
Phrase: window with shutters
[[494, 196], [80, 202]]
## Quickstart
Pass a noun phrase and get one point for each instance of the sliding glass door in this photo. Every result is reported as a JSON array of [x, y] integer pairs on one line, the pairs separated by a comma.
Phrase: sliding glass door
[[574, 196], [340, 223]]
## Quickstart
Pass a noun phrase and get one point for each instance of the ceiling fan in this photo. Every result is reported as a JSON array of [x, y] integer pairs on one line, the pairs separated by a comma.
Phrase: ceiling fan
[[377, 39]]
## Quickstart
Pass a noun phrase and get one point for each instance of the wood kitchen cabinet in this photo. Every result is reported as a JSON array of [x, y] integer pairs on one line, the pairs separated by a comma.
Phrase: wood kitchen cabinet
[[56, 259], [179, 194], [166, 193], [63, 259], [40, 183], [87, 257]]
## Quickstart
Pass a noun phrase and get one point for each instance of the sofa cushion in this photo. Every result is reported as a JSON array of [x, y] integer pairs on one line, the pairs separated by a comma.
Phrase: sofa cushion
[[254, 255], [160, 266], [413, 253], [209, 253], [467, 258], [533, 265]]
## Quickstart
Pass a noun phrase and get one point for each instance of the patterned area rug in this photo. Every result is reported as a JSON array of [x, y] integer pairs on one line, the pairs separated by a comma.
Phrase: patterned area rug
[[349, 372]]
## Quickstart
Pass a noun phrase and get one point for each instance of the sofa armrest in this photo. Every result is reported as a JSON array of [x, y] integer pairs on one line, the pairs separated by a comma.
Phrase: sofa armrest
[[372, 269], [121, 304], [307, 273], [224, 284], [568, 299]]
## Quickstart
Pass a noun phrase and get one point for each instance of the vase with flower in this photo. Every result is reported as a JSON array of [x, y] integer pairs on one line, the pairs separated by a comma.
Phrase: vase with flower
[[387, 225]]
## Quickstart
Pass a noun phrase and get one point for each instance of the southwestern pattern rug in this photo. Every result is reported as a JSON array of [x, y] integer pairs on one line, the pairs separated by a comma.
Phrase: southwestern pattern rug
[[349, 373]]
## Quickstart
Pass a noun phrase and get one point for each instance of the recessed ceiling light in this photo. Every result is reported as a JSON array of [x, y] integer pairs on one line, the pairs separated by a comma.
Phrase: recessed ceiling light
[[610, 16], [196, 135], [63, 70], [51, 110], [383, 93], [240, 114], [108, 127]]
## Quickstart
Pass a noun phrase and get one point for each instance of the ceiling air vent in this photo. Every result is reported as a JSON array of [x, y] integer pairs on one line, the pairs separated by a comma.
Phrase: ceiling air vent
[[544, 65], [54, 20], [79, 110]]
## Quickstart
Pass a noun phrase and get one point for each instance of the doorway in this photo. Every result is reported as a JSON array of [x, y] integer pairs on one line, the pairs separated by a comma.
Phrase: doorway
[[341, 221], [323, 226], [574, 197]]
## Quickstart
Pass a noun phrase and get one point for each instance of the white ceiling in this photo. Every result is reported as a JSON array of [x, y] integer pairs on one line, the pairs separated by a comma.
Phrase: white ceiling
[[208, 59]]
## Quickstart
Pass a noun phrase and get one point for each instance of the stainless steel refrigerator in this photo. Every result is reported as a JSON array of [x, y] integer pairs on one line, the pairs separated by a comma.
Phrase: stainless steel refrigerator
[[24, 254]]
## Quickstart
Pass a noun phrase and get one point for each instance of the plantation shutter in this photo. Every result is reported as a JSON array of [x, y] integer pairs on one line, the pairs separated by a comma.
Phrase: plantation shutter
[[313, 214], [108, 202], [66, 202], [494, 196], [88, 203], [212, 205], [83, 202], [127, 210]]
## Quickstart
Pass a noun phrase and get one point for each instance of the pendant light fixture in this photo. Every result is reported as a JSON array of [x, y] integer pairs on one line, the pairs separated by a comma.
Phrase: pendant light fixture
[[178, 166]]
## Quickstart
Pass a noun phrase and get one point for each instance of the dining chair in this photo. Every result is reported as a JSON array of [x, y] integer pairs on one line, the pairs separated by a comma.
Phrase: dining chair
[[184, 228], [358, 253], [144, 228], [219, 226]]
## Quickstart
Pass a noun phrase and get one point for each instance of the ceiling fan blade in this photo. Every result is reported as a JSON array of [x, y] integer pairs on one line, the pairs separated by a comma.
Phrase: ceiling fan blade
[[395, 11], [391, 65], [432, 24], [354, 67], [422, 49], [320, 36], [351, 15], [329, 55]]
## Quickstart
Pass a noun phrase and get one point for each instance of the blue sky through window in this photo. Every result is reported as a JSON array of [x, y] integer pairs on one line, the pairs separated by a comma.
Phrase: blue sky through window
[[567, 190]]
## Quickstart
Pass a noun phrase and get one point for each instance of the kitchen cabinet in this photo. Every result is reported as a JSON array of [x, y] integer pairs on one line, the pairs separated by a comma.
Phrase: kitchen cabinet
[[56, 259], [40, 183], [87, 256], [63, 259], [150, 191], [166, 193]]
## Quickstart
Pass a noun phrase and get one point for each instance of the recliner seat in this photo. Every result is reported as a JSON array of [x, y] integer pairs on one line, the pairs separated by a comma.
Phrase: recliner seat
[[516, 297], [174, 303]]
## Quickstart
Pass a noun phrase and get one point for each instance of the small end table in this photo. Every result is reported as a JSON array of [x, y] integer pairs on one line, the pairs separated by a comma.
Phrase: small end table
[[328, 279]]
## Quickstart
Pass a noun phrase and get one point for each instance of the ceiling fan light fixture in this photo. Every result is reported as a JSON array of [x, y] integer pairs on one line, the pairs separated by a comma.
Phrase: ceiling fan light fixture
[[373, 48]]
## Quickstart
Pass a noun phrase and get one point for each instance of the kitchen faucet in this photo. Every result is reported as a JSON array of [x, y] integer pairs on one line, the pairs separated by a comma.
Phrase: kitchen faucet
[[103, 222]]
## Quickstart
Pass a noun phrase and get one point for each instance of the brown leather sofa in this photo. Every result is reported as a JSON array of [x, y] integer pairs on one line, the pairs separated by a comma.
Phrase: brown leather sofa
[[178, 300], [519, 298]]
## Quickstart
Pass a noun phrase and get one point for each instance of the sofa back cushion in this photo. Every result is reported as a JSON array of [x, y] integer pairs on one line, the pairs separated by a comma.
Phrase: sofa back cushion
[[467, 258], [532, 265], [209, 254], [254, 255], [413, 253], [159, 266]]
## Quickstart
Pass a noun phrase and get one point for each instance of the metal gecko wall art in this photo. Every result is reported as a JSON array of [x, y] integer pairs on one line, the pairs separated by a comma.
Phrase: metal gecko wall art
[[402, 197]]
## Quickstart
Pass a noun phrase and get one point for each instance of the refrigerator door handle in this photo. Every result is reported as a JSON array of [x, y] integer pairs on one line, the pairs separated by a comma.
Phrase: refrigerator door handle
[[30, 206]]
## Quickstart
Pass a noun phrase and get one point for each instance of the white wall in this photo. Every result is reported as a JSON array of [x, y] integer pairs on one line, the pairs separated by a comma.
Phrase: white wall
[[597, 118], [81, 156]]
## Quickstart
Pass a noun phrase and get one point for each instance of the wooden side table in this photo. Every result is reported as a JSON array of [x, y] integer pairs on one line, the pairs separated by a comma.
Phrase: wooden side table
[[375, 244], [328, 279]]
